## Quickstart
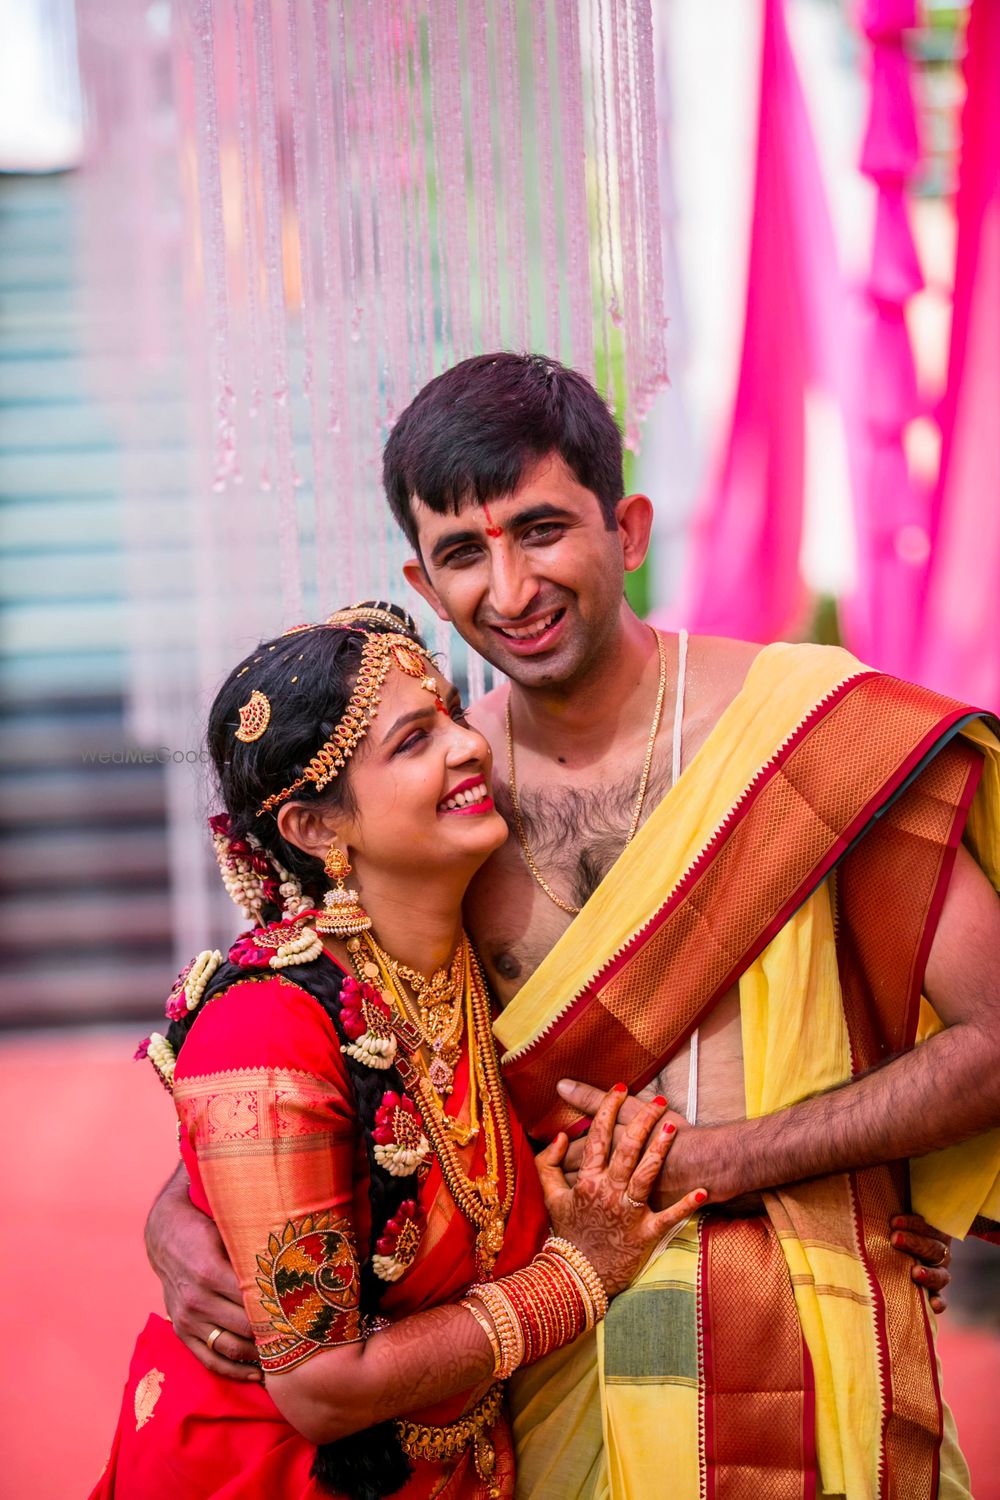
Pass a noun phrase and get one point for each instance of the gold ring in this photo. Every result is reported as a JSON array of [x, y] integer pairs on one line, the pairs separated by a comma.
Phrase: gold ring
[[632, 1203], [215, 1334]]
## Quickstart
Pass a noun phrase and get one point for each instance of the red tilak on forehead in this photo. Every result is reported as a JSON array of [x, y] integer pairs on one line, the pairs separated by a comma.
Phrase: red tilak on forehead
[[491, 528]]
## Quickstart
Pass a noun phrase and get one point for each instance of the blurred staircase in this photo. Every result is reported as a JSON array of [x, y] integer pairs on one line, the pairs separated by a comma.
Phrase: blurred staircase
[[85, 934]]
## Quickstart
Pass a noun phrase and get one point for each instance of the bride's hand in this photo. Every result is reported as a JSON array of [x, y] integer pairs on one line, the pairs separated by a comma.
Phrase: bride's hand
[[606, 1213]]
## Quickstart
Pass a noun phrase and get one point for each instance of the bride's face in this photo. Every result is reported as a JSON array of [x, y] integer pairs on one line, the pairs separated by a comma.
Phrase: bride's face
[[421, 783]]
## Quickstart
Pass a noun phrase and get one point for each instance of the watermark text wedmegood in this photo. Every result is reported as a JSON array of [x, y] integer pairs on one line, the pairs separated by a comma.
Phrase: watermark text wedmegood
[[134, 755]]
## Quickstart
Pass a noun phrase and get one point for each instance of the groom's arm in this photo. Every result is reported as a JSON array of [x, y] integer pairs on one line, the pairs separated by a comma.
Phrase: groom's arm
[[942, 1092], [200, 1289]]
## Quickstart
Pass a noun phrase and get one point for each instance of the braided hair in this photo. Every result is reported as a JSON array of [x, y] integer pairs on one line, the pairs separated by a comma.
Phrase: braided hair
[[308, 677]]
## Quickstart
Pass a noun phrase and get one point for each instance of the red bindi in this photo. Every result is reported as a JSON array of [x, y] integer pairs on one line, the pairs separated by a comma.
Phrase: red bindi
[[440, 704], [491, 528]]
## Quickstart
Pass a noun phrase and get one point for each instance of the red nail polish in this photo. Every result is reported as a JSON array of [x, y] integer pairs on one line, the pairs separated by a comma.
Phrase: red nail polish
[[660, 1101], [670, 1128], [701, 1196], [897, 1240], [621, 1088]]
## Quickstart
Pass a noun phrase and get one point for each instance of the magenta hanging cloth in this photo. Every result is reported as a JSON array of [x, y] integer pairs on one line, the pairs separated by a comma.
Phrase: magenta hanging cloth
[[959, 642], [891, 511], [743, 575]]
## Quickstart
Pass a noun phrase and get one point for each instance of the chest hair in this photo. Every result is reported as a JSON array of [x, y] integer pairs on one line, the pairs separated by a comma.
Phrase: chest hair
[[576, 833]]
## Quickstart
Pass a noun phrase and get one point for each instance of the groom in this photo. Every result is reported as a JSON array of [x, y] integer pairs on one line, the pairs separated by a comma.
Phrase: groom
[[715, 920]]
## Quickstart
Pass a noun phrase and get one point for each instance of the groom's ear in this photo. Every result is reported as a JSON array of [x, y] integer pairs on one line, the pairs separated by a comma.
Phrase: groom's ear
[[413, 572]]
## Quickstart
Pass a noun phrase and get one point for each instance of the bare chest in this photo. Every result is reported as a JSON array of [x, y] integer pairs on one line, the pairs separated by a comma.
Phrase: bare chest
[[574, 837], [575, 840]]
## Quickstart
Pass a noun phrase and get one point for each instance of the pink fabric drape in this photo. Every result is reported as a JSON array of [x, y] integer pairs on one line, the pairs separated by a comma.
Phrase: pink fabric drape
[[891, 511], [743, 574], [959, 650]]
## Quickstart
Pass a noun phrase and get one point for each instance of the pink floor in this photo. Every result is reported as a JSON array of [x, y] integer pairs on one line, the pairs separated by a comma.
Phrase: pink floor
[[91, 1139]]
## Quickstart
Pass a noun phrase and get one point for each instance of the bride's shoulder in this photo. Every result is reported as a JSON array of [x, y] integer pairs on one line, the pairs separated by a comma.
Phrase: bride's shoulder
[[266, 1023]]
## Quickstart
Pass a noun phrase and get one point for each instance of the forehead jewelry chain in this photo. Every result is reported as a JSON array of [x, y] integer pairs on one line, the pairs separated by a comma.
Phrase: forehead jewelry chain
[[515, 801]]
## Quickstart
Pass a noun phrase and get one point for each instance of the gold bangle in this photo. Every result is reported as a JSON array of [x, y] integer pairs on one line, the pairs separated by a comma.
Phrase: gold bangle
[[576, 1259], [506, 1323], [486, 1325], [514, 1344]]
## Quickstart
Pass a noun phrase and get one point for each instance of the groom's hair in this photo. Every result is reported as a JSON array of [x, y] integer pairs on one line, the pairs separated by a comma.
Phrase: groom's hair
[[470, 434]]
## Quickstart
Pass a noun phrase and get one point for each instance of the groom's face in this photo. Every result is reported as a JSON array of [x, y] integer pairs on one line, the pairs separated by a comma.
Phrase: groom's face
[[534, 580]]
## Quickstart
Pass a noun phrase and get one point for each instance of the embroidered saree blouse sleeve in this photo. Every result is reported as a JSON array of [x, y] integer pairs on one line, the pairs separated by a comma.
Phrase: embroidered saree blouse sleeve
[[265, 1110]]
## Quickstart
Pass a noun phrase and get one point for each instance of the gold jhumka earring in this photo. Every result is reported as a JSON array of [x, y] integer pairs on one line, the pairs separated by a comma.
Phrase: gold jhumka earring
[[343, 915]]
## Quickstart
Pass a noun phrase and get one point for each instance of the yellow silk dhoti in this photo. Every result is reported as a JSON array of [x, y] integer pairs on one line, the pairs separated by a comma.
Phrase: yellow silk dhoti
[[805, 852]]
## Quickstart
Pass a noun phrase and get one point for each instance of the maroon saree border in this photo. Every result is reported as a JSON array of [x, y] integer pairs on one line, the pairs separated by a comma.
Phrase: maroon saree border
[[912, 1425], [757, 1394]]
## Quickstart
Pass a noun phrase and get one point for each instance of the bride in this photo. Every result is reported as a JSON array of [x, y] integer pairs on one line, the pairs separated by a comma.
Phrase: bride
[[341, 1116]]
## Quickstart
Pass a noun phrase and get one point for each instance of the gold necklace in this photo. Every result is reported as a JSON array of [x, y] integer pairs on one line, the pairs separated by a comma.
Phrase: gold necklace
[[439, 998], [477, 1198], [440, 1019], [515, 801]]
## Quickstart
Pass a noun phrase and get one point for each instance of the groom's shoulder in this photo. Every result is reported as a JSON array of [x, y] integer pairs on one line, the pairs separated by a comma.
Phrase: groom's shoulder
[[719, 668], [726, 662]]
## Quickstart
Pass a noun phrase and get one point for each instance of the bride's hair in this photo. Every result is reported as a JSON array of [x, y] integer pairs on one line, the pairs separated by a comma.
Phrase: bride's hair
[[307, 677]]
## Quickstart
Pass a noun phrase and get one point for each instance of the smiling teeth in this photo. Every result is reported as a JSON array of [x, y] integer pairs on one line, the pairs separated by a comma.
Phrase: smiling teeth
[[527, 632], [466, 799]]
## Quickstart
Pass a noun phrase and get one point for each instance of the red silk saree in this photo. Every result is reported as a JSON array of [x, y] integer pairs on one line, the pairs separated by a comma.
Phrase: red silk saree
[[270, 1140]]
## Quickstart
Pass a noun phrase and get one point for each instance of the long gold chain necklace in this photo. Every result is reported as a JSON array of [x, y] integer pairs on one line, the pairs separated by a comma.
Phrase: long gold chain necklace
[[477, 1198], [515, 801]]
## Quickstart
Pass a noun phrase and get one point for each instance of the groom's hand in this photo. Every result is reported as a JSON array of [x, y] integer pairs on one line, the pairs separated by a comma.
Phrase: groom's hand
[[586, 1100], [928, 1248], [200, 1289]]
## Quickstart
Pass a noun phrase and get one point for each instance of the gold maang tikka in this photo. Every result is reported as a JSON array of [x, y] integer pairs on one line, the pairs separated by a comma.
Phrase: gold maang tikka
[[378, 654]]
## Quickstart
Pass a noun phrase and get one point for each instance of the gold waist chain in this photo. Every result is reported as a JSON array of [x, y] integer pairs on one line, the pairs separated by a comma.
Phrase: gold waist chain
[[437, 1445]]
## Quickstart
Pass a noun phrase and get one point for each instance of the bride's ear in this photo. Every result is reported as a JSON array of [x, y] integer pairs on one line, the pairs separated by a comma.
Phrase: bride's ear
[[308, 827]]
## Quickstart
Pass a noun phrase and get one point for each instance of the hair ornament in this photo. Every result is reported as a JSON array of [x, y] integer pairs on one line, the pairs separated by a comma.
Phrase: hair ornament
[[163, 1057], [367, 1023], [253, 878], [278, 945], [191, 984], [397, 1246], [372, 613], [400, 1146], [255, 715]]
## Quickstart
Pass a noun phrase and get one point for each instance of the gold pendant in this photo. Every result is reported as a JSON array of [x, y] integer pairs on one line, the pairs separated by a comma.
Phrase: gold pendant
[[489, 1242], [441, 1075]]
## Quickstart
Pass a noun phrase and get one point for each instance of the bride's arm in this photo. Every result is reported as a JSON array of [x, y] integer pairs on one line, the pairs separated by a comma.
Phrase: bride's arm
[[268, 1125], [429, 1356]]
